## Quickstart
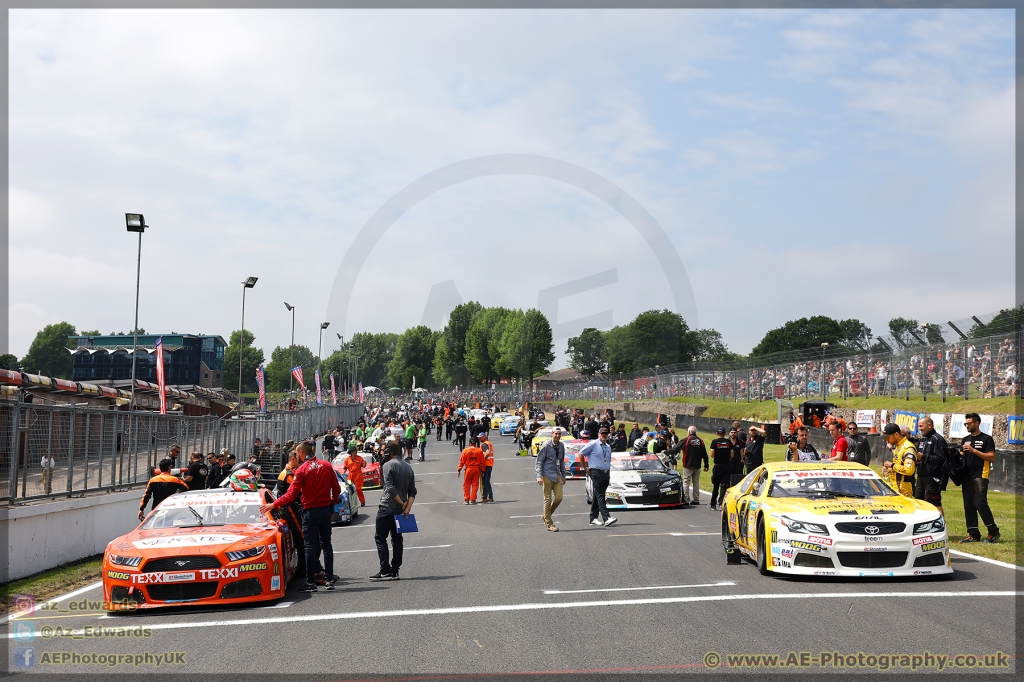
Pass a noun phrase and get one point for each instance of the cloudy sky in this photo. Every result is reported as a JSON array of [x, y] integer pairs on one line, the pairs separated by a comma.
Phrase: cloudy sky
[[843, 163]]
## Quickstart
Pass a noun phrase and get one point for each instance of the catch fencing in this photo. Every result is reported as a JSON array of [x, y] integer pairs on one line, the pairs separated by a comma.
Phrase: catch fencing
[[62, 450], [971, 368]]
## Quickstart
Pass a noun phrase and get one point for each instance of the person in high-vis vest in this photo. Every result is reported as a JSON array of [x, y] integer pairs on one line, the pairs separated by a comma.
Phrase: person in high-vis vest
[[485, 479], [472, 460], [354, 466]]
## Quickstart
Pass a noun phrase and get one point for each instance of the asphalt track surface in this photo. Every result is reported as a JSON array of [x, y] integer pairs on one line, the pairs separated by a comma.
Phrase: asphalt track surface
[[487, 590]]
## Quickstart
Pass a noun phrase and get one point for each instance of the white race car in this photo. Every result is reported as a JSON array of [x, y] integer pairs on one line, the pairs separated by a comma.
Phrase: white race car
[[640, 482]]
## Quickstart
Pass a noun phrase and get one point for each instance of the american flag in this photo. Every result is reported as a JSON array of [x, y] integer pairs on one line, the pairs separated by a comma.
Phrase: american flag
[[334, 396], [161, 385], [297, 373], [319, 393], [261, 385]]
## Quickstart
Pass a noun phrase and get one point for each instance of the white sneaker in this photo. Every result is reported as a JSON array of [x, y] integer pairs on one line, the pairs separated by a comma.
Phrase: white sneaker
[[597, 522], [610, 521]]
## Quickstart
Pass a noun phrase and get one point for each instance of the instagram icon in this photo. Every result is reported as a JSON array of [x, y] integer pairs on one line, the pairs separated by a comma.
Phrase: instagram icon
[[22, 604]]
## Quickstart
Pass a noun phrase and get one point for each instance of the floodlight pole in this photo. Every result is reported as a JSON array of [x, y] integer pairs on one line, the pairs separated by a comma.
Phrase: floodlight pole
[[135, 222], [291, 349], [247, 284]]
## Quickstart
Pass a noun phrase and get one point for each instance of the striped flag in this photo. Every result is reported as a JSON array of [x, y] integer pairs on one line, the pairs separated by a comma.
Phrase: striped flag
[[334, 396], [360, 391], [297, 373], [160, 382], [319, 393], [261, 385]]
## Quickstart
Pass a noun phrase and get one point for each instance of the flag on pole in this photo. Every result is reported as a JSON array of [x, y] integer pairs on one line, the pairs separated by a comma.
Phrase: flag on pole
[[334, 396], [161, 384], [414, 382], [262, 388], [360, 391], [297, 373], [319, 393]]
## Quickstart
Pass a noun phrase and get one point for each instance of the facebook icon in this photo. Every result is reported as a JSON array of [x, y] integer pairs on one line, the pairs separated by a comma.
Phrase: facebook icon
[[24, 656]]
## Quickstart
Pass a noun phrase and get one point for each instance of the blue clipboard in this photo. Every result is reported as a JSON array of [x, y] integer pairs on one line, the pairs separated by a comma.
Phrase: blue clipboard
[[406, 525]]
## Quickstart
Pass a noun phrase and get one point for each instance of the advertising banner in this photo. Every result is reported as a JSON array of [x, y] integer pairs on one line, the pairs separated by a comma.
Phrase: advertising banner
[[261, 386], [865, 418], [161, 384], [908, 420], [1015, 429], [319, 393], [958, 430]]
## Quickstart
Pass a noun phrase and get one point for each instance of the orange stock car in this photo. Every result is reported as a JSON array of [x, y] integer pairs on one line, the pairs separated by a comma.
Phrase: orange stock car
[[201, 547]]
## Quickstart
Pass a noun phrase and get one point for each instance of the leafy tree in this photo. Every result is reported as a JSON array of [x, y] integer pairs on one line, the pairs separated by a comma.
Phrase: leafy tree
[[374, 352], [9, 361], [853, 336], [933, 333], [449, 354], [903, 330], [527, 347], [91, 332], [710, 347], [655, 337], [483, 343], [414, 356], [252, 358], [1006, 320], [587, 352], [800, 334], [48, 355], [279, 369]]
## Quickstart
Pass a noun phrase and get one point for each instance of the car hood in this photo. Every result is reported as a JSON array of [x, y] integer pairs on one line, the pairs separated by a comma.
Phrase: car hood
[[209, 540], [839, 509], [646, 477]]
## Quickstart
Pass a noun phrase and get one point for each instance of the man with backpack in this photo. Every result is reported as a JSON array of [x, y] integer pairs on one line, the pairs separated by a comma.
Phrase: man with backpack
[[931, 471]]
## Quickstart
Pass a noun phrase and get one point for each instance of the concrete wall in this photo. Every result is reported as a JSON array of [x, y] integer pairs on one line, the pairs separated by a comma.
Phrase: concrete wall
[[41, 536]]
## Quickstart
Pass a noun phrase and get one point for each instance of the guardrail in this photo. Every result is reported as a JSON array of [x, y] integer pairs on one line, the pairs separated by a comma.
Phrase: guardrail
[[96, 449]]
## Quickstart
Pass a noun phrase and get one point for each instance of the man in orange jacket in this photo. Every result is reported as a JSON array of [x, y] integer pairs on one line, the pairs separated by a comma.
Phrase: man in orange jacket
[[472, 461], [354, 466]]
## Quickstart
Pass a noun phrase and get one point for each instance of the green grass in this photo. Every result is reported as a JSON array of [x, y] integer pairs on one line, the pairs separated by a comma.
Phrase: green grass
[[52, 583], [768, 410]]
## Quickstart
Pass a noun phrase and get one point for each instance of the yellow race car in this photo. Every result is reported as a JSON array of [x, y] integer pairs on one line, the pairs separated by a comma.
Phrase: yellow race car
[[835, 519], [543, 436]]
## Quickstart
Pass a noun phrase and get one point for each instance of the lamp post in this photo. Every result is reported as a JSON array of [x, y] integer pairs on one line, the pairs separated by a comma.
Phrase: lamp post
[[823, 347], [291, 349], [320, 344], [249, 283], [135, 222], [341, 365]]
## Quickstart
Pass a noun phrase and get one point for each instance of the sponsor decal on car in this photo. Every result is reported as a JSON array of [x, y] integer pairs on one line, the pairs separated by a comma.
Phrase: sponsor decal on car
[[820, 539], [776, 550], [150, 578], [824, 573], [775, 516], [809, 546], [922, 572], [787, 553], [275, 583], [118, 575], [218, 573], [876, 573], [189, 540], [867, 518], [782, 563], [276, 571], [933, 545], [248, 568], [875, 549], [921, 541], [873, 538]]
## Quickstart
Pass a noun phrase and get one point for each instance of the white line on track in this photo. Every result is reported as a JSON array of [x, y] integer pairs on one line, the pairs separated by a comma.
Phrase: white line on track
[[677, 535], [353, 551], [537, 516], [987, 560], [519, 483], [495, 608], [420, 504], [634, 589]]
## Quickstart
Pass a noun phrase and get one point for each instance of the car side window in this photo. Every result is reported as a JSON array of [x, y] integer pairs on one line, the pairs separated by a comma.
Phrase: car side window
[[744, 485], [760, 485]]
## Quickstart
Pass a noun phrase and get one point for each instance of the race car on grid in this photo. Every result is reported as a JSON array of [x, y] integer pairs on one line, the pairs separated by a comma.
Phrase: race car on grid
[[835, 519], [508, 425], [640, 482], [201, 547], [573, 460]]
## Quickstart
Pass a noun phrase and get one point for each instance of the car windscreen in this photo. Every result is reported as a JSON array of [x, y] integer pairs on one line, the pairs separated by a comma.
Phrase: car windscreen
[[209, 514], [638, 464], [827, 484]]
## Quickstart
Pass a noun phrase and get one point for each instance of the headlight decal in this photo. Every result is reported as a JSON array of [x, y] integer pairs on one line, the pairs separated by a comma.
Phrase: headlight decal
[[132, 561], [805, 527], [246, 553], [933, 526]]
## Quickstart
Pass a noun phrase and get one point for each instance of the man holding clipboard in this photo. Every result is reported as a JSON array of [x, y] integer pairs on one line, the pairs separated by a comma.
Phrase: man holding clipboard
[[396, 500]]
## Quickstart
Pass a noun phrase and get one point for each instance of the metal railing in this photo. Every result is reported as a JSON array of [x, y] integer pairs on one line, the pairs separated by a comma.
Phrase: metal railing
[[95, 449]]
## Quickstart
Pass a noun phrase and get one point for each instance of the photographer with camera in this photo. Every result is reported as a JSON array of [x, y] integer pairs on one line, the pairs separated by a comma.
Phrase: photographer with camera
[[931, 468], [800, 450]]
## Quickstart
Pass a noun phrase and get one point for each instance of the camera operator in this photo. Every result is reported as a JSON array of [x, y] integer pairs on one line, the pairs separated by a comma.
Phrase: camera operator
[[931, 469], [800, 450]]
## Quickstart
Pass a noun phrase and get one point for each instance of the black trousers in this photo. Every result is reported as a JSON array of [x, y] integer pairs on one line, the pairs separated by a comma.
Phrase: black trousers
[[975, 491], [385, 526], [598, 505], [316, 528], [720, 478]]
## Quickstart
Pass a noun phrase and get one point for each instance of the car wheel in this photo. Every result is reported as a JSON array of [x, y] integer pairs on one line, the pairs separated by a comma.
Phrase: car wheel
[[762, 549]]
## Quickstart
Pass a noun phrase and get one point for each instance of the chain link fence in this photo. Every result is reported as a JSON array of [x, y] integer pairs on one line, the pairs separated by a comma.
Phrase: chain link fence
[[61, 450]]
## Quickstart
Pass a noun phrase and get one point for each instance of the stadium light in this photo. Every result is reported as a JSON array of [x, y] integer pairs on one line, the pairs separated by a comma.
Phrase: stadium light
[[249, 283], [291, 349], [135, 222]]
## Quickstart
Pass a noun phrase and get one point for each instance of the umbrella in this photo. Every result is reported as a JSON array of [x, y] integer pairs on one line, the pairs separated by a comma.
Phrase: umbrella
[[394, 388], [419, 390]]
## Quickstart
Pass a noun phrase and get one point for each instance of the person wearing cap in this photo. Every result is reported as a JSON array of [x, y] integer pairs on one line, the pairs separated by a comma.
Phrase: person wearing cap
[[354, 466], [597, 461], [722, 452], [550, 467], [900, 471]]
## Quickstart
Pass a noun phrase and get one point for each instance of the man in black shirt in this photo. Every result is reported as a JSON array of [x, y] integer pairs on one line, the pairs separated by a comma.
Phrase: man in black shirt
[[460, 434], [592, 426], [634, 434], [736, 463], [197, 472], [931, 464], [620, 439], [979, 453], [722, 452], [753, 451], [213, 476], [740, 433]]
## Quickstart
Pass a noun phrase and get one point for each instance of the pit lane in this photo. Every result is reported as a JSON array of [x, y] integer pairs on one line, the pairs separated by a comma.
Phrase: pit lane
[[488, 590]]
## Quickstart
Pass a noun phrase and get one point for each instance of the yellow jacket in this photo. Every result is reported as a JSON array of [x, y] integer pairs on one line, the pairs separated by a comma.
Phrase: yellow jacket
[[904, 464]]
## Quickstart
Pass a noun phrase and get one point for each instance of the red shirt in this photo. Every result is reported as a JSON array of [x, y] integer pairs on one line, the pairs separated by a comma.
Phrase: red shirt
[[316, 481], [840, 448]]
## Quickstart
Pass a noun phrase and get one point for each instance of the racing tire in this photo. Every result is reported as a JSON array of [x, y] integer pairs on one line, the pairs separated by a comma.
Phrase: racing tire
[[732, 556], [762, 549]]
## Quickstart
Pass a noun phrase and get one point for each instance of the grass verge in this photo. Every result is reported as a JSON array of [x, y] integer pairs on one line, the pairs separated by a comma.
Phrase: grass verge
[[54, 582]]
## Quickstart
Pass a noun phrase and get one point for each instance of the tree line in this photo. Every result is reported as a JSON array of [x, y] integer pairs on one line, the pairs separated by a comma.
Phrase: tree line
[[482, 344]]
